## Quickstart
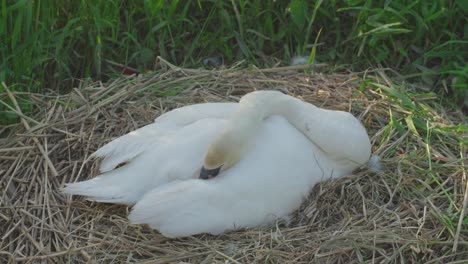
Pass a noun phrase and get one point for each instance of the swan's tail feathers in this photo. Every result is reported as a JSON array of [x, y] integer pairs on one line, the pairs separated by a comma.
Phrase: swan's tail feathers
[[105, 189], [182, 209], [103, 195]]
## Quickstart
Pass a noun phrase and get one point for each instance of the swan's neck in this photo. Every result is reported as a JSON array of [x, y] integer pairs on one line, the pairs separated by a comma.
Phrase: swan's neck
[[337, 133], [245, 123], [233, 142], [261, 105], [294, 110], [258, 107]]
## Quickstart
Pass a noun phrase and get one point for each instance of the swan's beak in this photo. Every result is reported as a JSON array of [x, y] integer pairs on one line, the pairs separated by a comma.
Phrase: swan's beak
[[209, 174]]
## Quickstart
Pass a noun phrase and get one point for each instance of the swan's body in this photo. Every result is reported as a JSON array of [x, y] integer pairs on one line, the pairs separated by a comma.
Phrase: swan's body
[[271, 150]]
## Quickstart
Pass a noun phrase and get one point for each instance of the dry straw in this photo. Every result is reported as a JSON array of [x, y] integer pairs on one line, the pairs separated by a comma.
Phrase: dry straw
[[398, 215]]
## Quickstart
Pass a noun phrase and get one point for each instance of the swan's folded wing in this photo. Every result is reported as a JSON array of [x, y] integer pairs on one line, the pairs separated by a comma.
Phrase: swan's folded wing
[[188, 114], [129, 146]]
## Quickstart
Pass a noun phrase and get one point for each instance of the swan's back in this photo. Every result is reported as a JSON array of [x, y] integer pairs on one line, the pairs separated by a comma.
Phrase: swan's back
[[271, 180]]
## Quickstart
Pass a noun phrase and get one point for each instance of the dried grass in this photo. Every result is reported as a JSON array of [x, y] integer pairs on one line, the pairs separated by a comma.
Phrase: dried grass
[[396, 216]]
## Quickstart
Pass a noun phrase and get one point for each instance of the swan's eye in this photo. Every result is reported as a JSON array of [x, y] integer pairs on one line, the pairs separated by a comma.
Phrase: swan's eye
[[209, 174]]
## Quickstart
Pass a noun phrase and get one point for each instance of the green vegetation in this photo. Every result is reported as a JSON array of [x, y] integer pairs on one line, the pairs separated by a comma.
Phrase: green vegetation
[[53, 44]]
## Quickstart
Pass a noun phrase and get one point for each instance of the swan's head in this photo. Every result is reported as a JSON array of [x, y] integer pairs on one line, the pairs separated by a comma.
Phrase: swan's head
[[224, 152]]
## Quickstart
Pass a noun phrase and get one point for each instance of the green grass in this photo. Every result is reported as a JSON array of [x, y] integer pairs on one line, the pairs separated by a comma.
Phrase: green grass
[[50, 44], [420, 120]]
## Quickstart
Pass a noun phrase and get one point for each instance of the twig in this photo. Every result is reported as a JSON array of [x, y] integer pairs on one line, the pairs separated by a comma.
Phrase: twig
[[463, 211], [15, 149], [26, 125], [56, 254]]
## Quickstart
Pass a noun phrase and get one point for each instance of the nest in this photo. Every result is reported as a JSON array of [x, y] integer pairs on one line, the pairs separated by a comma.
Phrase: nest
[[411, 211]]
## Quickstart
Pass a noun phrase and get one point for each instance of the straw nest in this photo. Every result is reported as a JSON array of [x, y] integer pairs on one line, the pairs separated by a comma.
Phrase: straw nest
[[412, 211]]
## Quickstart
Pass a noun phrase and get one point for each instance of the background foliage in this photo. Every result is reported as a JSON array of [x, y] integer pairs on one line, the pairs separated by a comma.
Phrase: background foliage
[[50, 44]]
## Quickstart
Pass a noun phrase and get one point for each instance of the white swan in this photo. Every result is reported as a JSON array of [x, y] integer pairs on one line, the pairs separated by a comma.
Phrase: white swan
[[266, 152]]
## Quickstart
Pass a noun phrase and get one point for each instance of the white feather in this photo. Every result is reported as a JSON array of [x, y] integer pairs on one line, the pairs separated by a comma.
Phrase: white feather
[[258, 190], [127, 147], [296, 146]]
